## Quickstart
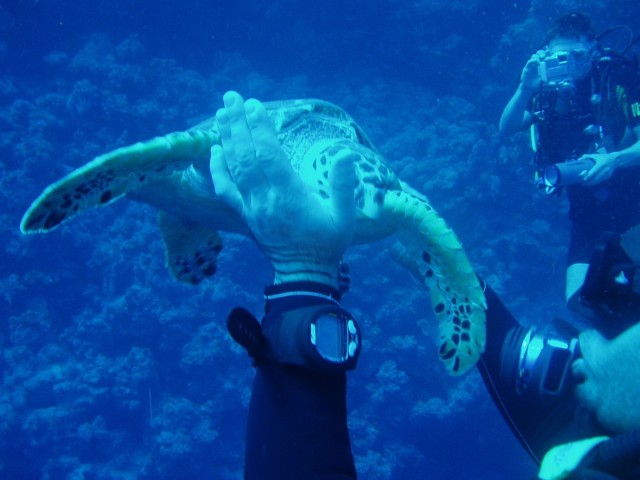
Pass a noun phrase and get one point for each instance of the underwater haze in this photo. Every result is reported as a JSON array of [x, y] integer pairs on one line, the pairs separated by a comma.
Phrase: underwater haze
[[110, 369]]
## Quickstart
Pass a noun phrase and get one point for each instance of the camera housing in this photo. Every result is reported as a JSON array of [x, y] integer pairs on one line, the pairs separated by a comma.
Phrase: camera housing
[[556, 68], [537, 366], [564, 66]]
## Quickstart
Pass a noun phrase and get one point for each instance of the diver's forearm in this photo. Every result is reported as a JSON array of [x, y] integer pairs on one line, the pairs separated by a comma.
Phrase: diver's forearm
[[324, 273], [513, 116], [628, 157]]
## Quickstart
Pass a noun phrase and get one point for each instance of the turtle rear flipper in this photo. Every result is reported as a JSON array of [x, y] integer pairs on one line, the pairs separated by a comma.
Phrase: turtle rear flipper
[[110, 176], [432, 252], [191, 250]]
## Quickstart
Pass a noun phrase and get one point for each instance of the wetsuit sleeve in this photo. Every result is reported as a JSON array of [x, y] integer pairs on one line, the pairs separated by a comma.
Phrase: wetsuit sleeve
[[297, 425], [538, 425]]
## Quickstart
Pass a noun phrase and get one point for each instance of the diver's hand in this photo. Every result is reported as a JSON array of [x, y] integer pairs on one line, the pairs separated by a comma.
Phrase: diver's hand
[[530, 78], [303, 234], [604, 166], [516, 115], [610, 385]]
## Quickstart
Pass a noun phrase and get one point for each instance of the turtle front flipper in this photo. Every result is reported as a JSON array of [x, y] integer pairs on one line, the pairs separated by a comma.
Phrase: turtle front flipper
[[432, 252], [110, 176]]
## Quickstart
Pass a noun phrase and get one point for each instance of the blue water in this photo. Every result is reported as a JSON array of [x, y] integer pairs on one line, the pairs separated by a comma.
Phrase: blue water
[[112, 370]]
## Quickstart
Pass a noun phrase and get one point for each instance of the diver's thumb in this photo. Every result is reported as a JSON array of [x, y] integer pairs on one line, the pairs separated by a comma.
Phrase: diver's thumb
[[342, 181]]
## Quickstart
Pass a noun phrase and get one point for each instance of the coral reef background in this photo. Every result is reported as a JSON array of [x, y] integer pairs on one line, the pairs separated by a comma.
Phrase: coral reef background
[[110, 369]]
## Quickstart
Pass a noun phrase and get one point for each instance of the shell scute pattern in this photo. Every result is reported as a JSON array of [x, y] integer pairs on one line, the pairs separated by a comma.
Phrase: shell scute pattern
[[374, 179]]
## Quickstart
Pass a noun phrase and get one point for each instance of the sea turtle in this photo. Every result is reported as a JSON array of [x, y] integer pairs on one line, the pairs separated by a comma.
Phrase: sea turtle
[[171, 173]]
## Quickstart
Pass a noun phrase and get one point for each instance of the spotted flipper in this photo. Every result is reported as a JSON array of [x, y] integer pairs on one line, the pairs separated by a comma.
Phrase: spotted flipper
[[191, 250], [171, 174], [110, 176], [433, 253]]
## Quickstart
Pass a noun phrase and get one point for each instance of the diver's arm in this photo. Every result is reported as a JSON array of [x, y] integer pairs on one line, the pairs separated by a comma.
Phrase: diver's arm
[[513, 374], [630, 156], [607, 163], [516, 116], [610, 385]]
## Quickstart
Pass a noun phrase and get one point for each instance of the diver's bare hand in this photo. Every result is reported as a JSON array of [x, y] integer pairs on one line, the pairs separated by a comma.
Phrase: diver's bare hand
[[530, 78], [303, 234]]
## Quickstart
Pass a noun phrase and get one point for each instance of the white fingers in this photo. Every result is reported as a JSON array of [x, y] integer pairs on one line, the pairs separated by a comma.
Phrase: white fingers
[[238, 146], [270, 157], [254, 157], [342, 179], [223, 184], [237, 134]]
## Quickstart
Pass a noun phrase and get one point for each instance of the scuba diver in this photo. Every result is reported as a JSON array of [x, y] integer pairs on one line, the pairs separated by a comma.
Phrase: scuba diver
[[580, 97], [553, 392], [573, 399]]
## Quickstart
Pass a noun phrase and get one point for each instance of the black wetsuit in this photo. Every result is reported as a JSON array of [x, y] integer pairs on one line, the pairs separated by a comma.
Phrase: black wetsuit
[[594, 114], [540, 424], [297, 425]]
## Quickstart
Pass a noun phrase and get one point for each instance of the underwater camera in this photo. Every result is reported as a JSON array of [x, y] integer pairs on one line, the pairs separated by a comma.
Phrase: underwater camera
[[536, 365], [566, 173], [561, 67], [555, 68]]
